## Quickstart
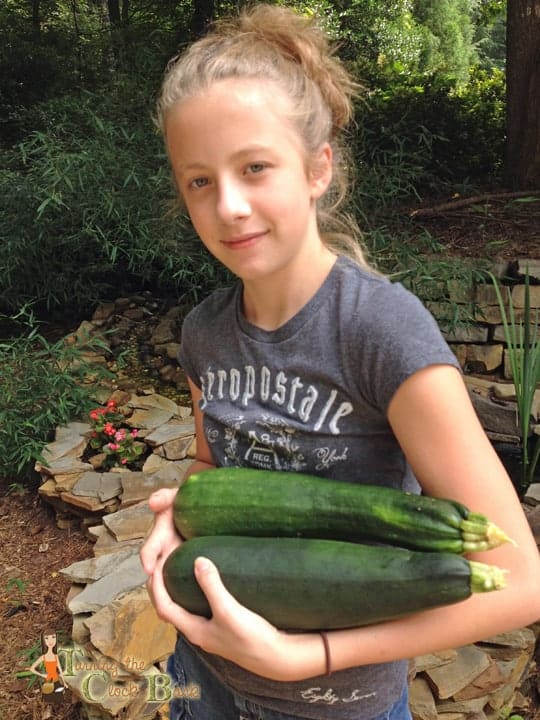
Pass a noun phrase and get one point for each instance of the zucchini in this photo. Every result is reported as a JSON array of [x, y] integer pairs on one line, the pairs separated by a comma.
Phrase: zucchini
[[243, 501], [304, 584]]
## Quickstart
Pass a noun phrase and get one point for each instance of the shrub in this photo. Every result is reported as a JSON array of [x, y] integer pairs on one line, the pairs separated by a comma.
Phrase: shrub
[[84, 208], [40, 388], [413, 138]]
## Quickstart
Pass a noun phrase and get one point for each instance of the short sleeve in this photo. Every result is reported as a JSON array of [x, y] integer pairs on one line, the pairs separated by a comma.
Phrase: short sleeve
[[396, 337]]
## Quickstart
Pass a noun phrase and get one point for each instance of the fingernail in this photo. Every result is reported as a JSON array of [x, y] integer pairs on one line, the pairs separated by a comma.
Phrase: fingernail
[[202, 564]]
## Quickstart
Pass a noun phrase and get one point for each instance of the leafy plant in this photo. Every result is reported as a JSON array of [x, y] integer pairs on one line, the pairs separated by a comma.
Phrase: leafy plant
[[17, 586], [115, 441], [41, 386], [523, 343]]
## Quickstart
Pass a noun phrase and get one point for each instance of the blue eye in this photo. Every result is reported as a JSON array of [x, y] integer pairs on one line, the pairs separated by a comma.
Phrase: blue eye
[[256, 167], [199, 182]]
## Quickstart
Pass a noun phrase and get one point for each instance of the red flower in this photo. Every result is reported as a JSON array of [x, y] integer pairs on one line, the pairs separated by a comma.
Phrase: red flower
[[111, 404], [109, 429], [94, 414]]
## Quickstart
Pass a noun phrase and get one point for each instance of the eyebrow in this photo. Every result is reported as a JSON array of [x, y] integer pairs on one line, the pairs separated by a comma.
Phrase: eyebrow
[[238, 155]]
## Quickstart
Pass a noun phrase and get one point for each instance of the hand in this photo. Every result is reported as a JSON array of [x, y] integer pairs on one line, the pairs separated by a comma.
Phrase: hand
[[163, 538], [238, 634]]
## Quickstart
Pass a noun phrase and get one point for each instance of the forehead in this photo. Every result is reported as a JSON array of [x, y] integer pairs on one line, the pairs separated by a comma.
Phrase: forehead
[[229, 112]]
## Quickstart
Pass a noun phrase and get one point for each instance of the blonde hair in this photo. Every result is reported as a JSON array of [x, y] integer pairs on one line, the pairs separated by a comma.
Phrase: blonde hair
[[279, 45]]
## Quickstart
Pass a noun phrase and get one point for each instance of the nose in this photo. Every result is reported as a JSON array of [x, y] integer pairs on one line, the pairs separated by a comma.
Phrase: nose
[[232, 203]]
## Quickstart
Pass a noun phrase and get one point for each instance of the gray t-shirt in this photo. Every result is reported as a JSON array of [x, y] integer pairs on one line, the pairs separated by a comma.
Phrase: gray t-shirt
[[312, 397]]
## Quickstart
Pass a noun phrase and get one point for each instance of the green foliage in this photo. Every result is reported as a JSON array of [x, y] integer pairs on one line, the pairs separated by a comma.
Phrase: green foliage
[[523, 344], [84, 211], [448, 38], [412, 137], [41, 387]]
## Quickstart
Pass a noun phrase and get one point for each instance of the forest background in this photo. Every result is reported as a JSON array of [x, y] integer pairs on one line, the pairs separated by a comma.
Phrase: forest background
[[450, 109]]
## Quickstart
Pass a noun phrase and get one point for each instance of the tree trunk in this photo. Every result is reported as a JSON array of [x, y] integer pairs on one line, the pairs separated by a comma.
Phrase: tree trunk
[[114, 12], [522, 167], [36, 18], [203, 13]]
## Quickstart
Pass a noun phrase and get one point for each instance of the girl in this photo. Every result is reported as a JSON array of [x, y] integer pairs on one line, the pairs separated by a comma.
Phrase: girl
[[312, 362], [53, 687]]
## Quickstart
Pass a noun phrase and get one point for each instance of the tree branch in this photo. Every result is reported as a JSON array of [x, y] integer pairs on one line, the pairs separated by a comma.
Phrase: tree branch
[[454, 204]]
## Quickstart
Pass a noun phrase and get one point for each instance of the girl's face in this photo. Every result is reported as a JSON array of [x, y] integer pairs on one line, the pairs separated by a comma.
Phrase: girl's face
[[50, 640], [242, 172]]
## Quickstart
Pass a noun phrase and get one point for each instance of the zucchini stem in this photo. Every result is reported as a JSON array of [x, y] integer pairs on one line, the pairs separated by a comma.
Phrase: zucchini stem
[[485, 578], [478, 533]]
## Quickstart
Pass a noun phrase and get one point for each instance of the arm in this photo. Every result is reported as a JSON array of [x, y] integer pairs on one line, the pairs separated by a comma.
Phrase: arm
[[33, 667], [437, 427]]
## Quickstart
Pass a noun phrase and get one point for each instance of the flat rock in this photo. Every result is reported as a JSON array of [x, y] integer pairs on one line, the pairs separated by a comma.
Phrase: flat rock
[[126, 576], [71, 444], [149, 419], [433, 660], [421, 700], [533, 492], [487, 682], [107, 543], [176, 449], [467, 707], [155, 463], [85, 502], [65, 483], [72, 428], [153, 402], [131, 523], [171, 431], [129, 631], [63, 466], [103, 486], [139, 488], [90, 570], [506, 646], [450, 679], [499, 417]]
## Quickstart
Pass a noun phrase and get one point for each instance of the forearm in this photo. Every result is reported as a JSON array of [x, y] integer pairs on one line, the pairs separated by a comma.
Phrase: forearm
[[451, 626]]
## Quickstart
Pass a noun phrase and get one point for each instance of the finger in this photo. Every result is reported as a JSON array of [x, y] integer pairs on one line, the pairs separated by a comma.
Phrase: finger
[[209, 579], [162, 499], [188, 623], [155, 549]]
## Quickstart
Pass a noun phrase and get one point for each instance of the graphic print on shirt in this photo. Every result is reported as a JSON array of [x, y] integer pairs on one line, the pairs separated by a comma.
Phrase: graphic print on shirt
[[270, 446], [318, 408], [272, 440]]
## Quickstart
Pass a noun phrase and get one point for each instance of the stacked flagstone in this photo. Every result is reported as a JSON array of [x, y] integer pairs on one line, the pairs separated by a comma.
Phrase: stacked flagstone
[[119, 642], [79, 491], [475, 682]]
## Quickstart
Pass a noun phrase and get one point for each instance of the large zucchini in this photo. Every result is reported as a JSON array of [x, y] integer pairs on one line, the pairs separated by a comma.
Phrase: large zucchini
[[243, 501], [305, 584]]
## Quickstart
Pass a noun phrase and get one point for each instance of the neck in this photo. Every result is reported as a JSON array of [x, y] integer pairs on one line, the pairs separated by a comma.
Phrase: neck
[[272, 301]]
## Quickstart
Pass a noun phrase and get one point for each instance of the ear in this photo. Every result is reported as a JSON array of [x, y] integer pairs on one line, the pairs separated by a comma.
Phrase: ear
[[321, 171]]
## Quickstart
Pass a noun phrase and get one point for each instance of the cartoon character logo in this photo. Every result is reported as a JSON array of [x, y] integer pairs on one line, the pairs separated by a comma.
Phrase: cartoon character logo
[[54, 686]]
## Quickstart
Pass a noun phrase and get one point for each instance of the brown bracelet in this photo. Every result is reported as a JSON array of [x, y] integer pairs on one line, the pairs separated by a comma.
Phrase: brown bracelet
[[327, 655]]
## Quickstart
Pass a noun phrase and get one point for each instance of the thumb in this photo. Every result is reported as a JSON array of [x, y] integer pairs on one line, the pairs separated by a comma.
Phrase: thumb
[[210, 582]]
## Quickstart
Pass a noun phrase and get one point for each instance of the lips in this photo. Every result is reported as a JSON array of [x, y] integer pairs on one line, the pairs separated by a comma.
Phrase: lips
[[244, 240]]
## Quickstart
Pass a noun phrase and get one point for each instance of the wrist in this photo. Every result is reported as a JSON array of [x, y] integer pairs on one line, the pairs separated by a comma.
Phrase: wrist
[[303, 655]]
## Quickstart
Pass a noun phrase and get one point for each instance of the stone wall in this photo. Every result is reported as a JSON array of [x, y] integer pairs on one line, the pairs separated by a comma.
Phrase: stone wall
[[480, 344]]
